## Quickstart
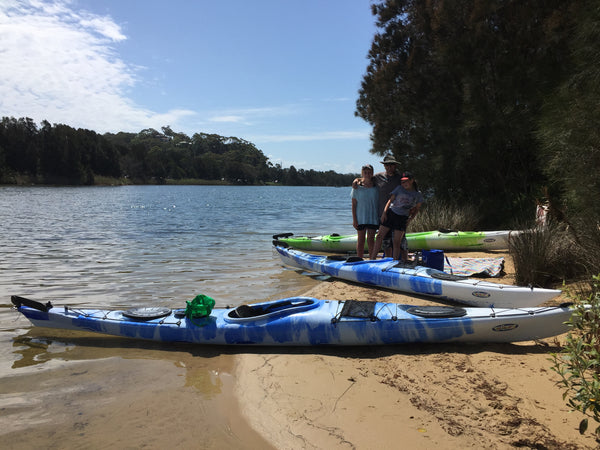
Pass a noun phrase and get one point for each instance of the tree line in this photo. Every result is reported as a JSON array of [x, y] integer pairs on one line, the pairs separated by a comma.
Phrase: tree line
[[60, 154], [490, 103]]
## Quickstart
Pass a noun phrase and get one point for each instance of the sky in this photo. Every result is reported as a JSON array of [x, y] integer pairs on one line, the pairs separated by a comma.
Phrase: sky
[[281, 74]]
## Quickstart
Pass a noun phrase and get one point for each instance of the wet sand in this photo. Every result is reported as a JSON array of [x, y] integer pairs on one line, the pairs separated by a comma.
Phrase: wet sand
[[83, 390], [490, 396]]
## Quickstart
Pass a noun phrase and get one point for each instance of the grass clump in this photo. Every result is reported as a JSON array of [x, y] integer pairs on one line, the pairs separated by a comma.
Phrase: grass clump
[[586, 233], [544, 255], [556, 252], [439, 215]]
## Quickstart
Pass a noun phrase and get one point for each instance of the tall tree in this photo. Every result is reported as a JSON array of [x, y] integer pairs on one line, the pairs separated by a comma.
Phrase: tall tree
[[453, 89], [568, 127]]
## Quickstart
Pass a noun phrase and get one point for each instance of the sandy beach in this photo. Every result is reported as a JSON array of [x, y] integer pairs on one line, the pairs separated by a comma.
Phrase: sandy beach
[[419, 396], [66, 389]]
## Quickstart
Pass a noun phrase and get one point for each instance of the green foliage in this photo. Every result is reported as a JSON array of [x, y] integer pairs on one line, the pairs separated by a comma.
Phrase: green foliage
[[568, 127], [455, 89], [578, 363], [439, 214], [59, 154]]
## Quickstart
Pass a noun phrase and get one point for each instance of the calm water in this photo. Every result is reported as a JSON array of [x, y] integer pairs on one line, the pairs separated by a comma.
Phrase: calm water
[[119, 246], [136, 246]]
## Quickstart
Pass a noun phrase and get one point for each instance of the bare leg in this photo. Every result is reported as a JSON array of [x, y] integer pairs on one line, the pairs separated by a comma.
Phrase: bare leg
[[398, 235], [360, 243], [378, 241], [388, 251], [404, 249], [370, 240]]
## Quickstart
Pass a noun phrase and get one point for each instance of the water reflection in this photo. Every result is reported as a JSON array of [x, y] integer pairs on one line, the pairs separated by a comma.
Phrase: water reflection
[[80, 377], [32, 352]]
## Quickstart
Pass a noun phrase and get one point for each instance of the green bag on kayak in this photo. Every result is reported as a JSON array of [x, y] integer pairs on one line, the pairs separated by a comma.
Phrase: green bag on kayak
[[201, 306]]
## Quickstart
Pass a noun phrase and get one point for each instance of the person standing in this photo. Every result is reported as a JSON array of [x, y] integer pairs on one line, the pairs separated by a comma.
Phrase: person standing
[[386, 182], [365, 217], [404, 203]]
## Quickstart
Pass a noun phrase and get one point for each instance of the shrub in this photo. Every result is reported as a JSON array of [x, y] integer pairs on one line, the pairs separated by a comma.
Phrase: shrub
[[437, 215], [544, 255], [578, 363], [586, 233]]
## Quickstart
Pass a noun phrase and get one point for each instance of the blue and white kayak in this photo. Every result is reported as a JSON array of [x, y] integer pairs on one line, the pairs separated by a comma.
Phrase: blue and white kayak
[[305, 321], [390, 274]]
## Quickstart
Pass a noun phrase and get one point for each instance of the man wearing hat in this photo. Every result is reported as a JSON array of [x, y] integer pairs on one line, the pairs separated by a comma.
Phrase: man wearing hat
[[386, 182]]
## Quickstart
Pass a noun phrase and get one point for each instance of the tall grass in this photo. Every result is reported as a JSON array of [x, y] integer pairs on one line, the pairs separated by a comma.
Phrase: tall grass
[[556, 252], [437, 215], [586, 232], [543, 255]]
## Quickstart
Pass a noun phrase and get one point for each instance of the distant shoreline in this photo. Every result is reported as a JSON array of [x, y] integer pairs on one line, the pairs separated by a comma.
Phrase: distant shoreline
[[24, 180]]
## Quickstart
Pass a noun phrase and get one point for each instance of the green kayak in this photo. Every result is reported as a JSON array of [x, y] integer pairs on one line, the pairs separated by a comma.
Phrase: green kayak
[[427, 240]]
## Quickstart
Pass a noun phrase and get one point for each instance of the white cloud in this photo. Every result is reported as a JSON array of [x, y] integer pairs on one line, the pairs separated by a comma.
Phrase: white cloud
[[323, 136], [61, 65], [231, 119]]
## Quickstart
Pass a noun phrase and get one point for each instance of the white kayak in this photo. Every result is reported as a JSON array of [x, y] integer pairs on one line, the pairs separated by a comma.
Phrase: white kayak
[[391, 274], [307, 321]]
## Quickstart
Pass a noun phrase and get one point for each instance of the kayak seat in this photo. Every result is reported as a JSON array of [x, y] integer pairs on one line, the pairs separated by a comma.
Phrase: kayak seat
[[243, 311], [246, 311], [348, 259], [354, 259], [447, 230]]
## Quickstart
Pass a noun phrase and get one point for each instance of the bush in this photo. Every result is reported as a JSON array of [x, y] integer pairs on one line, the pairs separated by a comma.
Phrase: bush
[[437, 215], [586, 233], [556, 252], [544, 255], [578, 363]]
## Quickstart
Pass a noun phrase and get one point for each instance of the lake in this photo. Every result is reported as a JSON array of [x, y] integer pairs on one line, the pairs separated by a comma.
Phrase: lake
[[130, 246], [134, 245]]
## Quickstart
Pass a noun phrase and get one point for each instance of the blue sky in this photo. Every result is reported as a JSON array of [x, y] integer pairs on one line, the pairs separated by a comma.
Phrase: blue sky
[[282, 74]]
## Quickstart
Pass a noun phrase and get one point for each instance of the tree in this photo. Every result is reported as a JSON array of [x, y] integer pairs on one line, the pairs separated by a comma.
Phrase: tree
[[568, 127], [453, 89], [59, 154]]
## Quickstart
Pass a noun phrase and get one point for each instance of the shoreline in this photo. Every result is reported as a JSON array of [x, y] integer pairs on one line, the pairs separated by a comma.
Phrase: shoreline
[[443, 396]]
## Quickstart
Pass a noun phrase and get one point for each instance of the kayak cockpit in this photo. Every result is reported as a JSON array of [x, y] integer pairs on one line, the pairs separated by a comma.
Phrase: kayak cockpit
[[270, 309]]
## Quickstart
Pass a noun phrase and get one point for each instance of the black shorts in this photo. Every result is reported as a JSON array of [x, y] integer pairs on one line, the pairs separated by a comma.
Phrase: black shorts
[[367, 226], [395, 221]]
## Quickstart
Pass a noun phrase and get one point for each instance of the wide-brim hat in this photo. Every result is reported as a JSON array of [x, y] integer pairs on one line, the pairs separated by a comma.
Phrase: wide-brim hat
[[389, 159]]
